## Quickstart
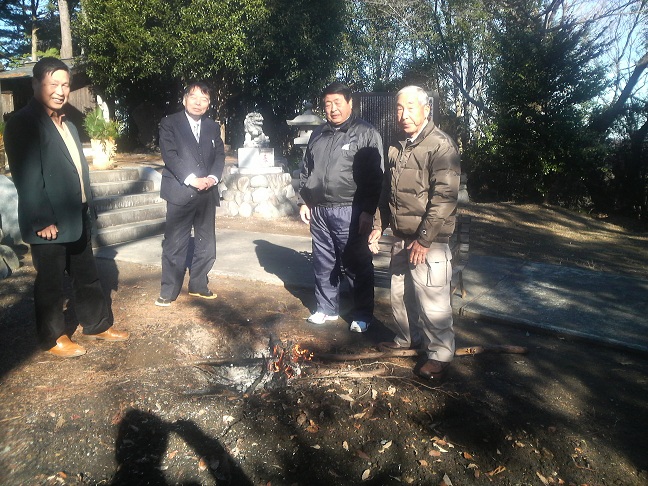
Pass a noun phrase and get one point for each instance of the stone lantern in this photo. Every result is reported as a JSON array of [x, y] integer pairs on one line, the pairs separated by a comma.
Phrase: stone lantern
[[305, 124]]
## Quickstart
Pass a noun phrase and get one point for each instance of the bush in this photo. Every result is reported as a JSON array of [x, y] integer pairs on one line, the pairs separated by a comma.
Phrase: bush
[[98, 128]]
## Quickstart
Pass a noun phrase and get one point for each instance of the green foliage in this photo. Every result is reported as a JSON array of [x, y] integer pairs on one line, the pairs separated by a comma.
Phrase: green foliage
[[540, 92], [98, 128]]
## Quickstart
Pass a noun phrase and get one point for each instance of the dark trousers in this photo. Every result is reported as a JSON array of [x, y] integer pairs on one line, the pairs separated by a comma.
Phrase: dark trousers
[[52, 261], [338, 250], [200, 215]]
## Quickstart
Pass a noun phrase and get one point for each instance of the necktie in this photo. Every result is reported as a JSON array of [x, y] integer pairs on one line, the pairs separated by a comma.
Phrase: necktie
[[196, 130]]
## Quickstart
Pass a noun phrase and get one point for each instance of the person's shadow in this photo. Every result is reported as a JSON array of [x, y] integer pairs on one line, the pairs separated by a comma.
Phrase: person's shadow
[[142, 442], [294, 269]]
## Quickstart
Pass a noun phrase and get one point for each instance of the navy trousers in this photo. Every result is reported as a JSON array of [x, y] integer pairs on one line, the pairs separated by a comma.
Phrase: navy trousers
[[340, 252], [200, 215], [52, 261]]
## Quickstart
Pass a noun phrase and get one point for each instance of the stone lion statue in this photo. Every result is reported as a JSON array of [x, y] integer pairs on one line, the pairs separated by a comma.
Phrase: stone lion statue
[[254, 136]]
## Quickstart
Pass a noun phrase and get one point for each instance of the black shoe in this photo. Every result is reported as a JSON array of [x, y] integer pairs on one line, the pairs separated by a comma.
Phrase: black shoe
[[160, 302], [207, 294]]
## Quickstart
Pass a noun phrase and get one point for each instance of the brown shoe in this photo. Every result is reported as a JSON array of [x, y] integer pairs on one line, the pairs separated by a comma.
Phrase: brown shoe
[[65, 348], [432, 369], [111, 334]]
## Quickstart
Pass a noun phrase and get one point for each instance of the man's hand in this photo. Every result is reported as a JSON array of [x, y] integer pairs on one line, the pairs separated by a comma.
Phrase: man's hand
[[305, 213], [365, 223], [199, 183], [49, 233], [417, 252], [374, 236]]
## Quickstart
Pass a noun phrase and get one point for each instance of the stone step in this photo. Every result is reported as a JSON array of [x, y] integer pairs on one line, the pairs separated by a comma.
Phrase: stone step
[[114, 175], [122, 187], [128, 232], [108, 203], [134, 214]]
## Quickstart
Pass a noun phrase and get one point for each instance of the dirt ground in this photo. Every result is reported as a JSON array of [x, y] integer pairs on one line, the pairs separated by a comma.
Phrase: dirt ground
[[162, 409]]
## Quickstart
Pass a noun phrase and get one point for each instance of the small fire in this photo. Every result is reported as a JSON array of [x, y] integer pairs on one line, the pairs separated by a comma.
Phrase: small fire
[[287, 360]]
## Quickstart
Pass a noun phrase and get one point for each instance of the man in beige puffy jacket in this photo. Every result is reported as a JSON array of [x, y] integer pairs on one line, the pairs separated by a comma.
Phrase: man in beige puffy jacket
[[419, 201]]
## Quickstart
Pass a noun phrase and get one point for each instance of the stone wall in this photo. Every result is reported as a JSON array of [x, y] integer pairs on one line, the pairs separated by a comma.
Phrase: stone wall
[[266, 196]]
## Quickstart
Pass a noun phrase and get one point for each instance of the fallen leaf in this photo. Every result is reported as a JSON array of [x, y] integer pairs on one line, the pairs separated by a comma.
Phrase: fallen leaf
[[434, 453], [59, 423], [496, 471], [542, 478], [441, 442], [316, 446], [61, 475], [366, 474], [346, 397], [172, 454], [301, 419], [391, 390], [202, 465], [374, 394], [228, 419], [466, 455], [440, 448], [385, 446], [472, 465], [359, 415], [422, 462], [406, 400], [446, 481], [345, 445], [362, 455], [312, 428]]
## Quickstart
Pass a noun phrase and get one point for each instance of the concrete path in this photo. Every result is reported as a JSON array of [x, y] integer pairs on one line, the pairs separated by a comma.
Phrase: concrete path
[[593, 306]]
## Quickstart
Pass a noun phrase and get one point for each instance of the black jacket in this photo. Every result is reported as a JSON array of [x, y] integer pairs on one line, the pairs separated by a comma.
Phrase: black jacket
[[343, 166]]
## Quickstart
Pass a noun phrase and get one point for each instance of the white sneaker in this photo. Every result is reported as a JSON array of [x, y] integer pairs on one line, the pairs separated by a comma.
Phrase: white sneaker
[[359, 326], [321, 318]]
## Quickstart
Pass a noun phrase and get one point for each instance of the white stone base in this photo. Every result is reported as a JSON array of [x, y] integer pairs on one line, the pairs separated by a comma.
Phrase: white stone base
[[253, 157]]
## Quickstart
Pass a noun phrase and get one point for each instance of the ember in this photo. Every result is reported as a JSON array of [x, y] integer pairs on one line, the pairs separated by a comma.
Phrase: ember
[[286, 360]]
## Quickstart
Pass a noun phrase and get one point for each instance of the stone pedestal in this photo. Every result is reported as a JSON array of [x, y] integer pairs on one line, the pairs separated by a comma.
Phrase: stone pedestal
[[262, 192], [255, 157]]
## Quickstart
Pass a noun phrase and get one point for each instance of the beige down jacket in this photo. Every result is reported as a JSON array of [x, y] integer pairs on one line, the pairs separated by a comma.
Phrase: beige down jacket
[[420, 187]]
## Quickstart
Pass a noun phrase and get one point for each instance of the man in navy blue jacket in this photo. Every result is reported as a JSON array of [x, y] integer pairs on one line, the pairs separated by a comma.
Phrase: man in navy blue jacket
[[194, 158]]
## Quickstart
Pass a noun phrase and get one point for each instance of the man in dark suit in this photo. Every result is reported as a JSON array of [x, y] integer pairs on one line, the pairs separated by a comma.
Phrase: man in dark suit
[[194, 158], [54, 203]]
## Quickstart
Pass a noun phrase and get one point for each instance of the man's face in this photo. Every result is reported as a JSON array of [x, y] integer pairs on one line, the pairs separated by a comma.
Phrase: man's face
[[53, 91], [411, 115], [337, 108], [196, 103]]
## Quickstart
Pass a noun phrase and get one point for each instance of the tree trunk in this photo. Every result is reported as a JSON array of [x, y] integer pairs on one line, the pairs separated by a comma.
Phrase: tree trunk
[[66, 31]]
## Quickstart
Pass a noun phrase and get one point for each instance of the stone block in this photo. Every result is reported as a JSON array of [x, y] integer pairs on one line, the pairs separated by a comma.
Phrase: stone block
[[262, 194], [245, 210], [255, 157], [9, 262], [259, 181], [9, 212], [243, 183]]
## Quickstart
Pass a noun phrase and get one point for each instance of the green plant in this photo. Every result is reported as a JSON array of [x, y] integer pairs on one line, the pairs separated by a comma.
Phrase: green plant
[[98, 128]]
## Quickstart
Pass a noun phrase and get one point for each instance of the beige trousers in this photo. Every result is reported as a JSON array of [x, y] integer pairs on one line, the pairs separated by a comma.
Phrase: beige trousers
[[420, 300]]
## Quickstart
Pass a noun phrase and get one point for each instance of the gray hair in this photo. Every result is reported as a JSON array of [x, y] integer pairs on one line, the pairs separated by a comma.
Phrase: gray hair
[[420, 93]]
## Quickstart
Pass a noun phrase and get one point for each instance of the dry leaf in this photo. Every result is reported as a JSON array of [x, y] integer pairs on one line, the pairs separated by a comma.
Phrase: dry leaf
[[466, 455], [228, 419], [542, 478], [406, 400], [472, 465], [202, 465], [446, 481], [359, 415], [366, 474], [496, 471], [391, 390], [385, 446], [316, 446], [374, 394], [434, 453], [363, 455], [422, 462], [59, 423], [61, 475], [346, 397], [345, 445], [172, 454], [440, 448], [301, 419], [312, 428], [441, 442]]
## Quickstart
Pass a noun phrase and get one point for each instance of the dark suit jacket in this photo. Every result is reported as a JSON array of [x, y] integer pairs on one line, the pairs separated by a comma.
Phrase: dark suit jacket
[[47, 181], [183, 156]]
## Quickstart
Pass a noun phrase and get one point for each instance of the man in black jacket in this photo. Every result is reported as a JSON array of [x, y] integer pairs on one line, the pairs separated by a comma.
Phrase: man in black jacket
[[54, 204], [194, 158], [340, 187]]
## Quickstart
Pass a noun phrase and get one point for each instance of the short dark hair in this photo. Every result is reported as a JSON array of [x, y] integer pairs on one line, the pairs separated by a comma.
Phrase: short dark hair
[[202, 87], [337, 88], [48, 65]]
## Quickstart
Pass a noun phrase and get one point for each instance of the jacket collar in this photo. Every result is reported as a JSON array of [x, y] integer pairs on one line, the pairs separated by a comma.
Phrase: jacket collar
[[343, 127], [421, 136]]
